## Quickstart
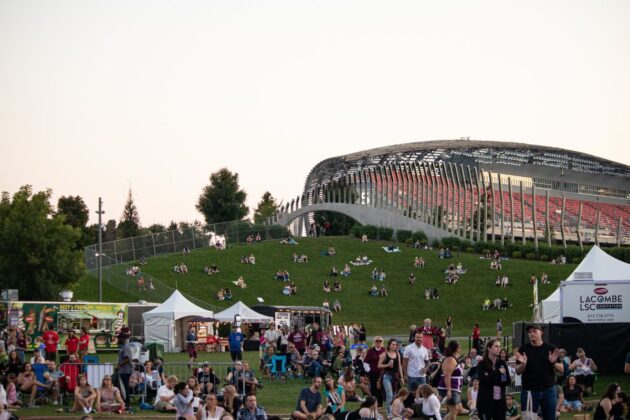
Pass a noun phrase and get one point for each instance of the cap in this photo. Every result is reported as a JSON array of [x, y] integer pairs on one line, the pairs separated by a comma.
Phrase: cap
[[536, 326]]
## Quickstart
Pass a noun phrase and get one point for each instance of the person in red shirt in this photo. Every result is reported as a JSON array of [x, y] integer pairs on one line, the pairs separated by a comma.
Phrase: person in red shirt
[[84, 343], [298, 338], [72, 343], [51, 340], [428, 331], [476, 334]]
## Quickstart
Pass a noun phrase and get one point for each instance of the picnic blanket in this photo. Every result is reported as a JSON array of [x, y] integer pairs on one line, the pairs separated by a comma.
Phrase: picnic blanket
[[389, 251]]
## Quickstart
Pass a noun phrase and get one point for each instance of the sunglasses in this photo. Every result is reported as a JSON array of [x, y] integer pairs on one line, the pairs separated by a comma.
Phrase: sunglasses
[[378, 341]]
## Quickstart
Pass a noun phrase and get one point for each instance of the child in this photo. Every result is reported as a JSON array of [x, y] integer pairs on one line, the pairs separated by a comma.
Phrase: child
[[398, 406]]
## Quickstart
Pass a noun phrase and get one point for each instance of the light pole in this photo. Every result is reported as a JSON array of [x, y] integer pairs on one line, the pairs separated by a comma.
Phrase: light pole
[[100, 213]]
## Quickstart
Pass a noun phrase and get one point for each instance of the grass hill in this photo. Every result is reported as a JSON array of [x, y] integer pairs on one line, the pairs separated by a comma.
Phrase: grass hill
[[405, 304]]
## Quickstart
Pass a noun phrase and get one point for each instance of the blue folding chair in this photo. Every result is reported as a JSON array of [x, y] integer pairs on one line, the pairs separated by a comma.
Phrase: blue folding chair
[[279, 367]]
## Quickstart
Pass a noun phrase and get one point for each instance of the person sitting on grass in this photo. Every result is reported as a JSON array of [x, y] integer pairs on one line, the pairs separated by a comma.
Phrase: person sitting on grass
[[165, 396], [383, 292], [220, 295], [333, 271], [286, 290], [337, 286], [412, 279], [373, 290], [573, 396], [84, 395], [337, 306], [293, 289], [309, 405], [346, 271], [108, 398], [326, 287], [326, 304], [240, 283], [227, 293], [374, 275], [331, 251], [418, 262], [213, 269], [511, 409]]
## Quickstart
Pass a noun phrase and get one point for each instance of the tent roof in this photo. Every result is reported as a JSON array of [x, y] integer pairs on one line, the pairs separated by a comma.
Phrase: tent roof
[[247, 314], [601, 267], [176, 307]]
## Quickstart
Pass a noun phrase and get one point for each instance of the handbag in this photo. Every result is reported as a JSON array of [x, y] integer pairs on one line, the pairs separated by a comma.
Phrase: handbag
[[528, 413]]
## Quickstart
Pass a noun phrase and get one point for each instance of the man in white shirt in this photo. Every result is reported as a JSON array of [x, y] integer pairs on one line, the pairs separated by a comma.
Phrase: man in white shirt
[[415, 362], [165, 396], [271, 336]]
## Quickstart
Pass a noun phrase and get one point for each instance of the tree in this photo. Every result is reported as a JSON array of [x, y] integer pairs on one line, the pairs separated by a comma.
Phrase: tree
[[156, 228], [266, 208], [129, 225], [222, 200], [76, 214], [111, 229], [38, 250]]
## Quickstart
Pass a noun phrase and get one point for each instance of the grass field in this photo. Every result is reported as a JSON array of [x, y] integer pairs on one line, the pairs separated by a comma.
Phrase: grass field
[[390, 315]]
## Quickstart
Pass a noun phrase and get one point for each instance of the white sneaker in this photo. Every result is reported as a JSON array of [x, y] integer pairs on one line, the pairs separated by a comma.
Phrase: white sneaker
[[86, 410]]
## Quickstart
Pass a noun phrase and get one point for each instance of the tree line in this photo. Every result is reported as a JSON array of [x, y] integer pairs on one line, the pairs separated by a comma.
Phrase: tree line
[[41, 247]]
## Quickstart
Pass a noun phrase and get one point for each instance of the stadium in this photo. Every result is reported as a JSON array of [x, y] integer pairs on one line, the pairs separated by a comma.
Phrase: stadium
[[483, 189]]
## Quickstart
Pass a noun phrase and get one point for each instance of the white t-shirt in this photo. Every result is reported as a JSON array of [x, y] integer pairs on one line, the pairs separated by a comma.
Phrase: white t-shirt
[[163, 391], [431, 407], [416, 360]]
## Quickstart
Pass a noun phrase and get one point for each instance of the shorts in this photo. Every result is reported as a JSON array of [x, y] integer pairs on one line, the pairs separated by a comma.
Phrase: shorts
[[51, 355], [573, 405], [236, 355], [192, 351], [456, 397], [161, 406]]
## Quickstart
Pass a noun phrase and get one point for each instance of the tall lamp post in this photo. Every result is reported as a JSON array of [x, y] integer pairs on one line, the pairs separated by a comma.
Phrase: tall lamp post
[[100, 213]]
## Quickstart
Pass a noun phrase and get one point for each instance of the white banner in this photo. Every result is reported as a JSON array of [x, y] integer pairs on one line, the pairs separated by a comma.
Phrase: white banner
[[283, 318], [595, 301]]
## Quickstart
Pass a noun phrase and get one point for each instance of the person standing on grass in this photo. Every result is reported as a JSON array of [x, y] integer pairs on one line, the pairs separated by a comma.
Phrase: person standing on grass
[[191, 346], [451, 380], [493, 376], [84, 343], [72, 343], [125, 366], [538, 362], [415, 362], [235, 341], [371, 359]]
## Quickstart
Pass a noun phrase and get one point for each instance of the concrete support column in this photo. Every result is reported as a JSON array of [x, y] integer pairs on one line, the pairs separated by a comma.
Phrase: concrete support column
[[502, 204], [534, 216]]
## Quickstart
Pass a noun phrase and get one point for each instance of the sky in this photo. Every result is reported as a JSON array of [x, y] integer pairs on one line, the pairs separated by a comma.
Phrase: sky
[[97, 97]]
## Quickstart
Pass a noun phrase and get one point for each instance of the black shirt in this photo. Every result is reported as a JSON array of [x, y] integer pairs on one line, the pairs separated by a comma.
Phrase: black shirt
[[489, 377], [539, 372], [572, 394]]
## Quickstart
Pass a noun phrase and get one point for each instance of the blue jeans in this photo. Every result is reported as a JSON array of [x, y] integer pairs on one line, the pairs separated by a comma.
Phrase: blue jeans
[[389, 391], [545, 399], [316, 369], [420, 380]]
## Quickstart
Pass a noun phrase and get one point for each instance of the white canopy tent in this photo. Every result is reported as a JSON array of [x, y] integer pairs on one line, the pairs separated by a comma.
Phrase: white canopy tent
[[246, 314], [596, 265], [166, 323]]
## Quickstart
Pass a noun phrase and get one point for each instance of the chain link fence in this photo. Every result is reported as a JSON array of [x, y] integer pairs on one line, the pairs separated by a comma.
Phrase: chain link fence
[[118, 255]]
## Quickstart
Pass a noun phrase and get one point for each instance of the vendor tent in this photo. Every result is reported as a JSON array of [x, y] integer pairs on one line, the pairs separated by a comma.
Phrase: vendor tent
[[597, 265], [246, 313], [166, 323]]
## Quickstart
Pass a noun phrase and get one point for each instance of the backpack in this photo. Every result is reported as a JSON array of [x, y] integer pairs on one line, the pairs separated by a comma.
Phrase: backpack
[[434, 378]]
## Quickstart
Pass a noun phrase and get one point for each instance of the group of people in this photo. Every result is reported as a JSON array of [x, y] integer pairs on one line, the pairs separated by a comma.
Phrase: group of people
[[336, 287], [248, 259], [251, 238]]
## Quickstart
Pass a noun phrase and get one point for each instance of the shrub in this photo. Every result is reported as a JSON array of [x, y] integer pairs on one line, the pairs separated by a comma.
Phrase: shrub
[[544, 257], [385, 233], [402, 235], [357, 230], [435, 243], [370, 230], [408, 242], [517, 254], [574, 251], [278, 231], [482, 247], [530, 256], [576, 260], [419, 235], [470, 249], [450, 242], [455, 248]]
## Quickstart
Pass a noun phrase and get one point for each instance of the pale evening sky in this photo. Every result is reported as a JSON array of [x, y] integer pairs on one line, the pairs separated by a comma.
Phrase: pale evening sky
[[100, 96]]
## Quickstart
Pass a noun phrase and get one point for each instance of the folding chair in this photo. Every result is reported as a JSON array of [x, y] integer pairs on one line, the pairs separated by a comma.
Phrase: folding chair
[[279, 367]]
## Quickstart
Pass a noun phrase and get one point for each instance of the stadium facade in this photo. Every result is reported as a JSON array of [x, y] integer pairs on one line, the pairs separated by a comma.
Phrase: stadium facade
[[483, 189]]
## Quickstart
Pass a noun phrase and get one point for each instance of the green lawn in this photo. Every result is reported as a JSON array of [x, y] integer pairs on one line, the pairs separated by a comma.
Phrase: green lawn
[[405, 304]]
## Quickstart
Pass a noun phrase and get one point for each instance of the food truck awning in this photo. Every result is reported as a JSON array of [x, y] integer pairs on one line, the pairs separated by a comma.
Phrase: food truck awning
[[75, 314], [102, 315]]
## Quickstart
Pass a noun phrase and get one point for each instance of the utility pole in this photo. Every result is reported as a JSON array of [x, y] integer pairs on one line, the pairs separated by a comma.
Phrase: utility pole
[[100, 213]]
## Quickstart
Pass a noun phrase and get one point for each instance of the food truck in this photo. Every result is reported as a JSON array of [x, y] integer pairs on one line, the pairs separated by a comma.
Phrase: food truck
[[103, 320]]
